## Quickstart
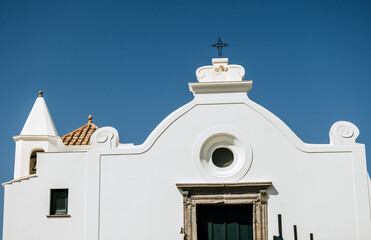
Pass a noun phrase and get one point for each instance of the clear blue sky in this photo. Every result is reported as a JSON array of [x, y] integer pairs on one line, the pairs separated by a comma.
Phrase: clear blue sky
[[128, 62]]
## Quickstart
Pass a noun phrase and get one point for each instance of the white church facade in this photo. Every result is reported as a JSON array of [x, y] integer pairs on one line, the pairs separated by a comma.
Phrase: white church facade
[[221, 167]]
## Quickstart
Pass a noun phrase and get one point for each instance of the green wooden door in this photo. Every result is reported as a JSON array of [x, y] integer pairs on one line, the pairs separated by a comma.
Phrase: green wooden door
[[224, 222]]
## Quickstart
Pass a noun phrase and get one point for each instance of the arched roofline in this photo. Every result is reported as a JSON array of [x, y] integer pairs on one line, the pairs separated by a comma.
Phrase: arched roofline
[[270, 117]]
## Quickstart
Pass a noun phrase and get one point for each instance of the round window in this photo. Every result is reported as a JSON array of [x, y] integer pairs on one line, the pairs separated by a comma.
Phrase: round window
[[222, 154], [222, 157]]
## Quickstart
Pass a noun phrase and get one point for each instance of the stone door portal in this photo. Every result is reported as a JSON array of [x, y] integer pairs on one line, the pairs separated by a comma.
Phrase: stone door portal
[[225, 211]]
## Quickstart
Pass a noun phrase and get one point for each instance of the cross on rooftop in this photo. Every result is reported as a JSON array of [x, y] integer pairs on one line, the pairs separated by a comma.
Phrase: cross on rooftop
[[220, 46]]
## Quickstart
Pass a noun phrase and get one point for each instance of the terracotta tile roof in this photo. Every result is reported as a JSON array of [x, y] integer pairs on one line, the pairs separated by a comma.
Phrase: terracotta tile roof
[[80, 136]]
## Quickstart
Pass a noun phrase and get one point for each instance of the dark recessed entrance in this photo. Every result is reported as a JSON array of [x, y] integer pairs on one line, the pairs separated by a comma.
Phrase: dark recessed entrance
[[225, 222]]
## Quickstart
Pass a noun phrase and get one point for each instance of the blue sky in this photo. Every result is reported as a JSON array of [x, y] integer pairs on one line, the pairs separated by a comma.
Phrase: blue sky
[[128, 62]]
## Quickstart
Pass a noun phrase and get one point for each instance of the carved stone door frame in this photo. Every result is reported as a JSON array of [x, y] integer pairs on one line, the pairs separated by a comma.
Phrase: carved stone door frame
[[225, 193]]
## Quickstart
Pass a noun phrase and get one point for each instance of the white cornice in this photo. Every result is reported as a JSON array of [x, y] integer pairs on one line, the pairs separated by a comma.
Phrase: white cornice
[[220, 87], [35, 137], [20, 179]]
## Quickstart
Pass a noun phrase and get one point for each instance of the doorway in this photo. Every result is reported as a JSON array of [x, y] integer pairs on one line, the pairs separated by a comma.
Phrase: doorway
[[204, 203], [225, 222]]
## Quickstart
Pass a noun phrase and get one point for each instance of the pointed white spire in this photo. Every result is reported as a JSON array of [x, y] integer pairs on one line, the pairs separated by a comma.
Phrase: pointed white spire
[[39, 122]]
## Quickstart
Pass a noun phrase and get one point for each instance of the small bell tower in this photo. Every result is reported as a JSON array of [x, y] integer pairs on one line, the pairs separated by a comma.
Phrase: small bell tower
[[38, 135]]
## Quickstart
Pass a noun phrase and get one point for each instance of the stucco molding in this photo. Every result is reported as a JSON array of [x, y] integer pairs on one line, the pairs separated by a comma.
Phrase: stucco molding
[[270, 117], [226, 137], [220, 71], [220, 87], [35, 138], [343, 133], [105, 137], [20, 179], [221, 194]]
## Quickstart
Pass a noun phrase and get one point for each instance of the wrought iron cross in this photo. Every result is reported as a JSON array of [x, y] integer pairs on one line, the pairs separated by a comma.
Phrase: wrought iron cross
[[220, 46]]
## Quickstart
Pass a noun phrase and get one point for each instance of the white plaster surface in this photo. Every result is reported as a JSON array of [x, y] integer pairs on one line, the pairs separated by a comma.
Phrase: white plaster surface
[[39, 121], [26, 203], [129, 192], [220, 71]]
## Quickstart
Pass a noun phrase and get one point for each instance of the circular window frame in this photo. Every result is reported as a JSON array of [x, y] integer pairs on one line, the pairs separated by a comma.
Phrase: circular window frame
[[222, 137]]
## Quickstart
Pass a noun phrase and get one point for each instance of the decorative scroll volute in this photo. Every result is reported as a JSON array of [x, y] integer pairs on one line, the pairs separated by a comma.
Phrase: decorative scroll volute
[[343, 133], [105, 137]]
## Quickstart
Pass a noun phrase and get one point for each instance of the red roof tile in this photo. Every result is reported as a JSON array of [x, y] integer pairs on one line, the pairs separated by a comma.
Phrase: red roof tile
[[80, 136]]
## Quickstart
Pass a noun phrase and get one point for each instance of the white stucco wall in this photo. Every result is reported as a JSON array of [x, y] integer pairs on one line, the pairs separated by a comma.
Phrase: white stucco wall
[[129, 192], [119, 191], [27, 202], [314, 191]]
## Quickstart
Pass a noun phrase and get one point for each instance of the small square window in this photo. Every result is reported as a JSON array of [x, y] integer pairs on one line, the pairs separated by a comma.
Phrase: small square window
[[58, 201]]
